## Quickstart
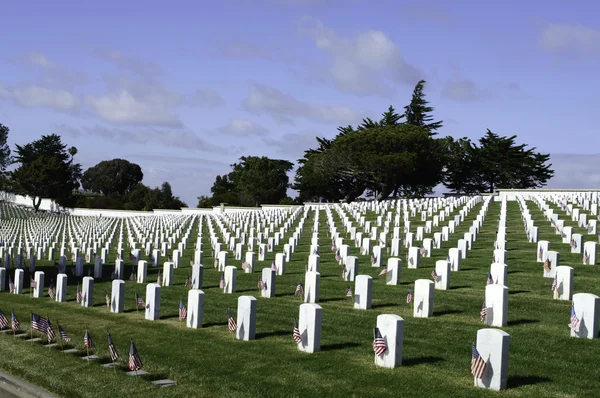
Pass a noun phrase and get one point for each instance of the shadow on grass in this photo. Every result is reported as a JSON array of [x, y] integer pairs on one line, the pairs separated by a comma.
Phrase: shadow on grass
[[518, 291], [518, 322], [248, 290], [447, 312], [383, 305], [264, 335], [421, 361], [170, 316], [514, 271], [459, 287], [338, 346], [520, 381], [211, 324], [333, 299]]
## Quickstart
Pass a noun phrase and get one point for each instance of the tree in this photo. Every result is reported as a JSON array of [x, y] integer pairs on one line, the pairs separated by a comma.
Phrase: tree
[[260, 180], [386, 157], [417, 112], [46, 170], [497, 163], [112, 177], [5, 158]]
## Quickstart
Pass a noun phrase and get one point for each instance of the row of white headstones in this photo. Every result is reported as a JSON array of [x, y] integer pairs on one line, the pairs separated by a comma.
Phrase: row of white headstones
[[246, 302]]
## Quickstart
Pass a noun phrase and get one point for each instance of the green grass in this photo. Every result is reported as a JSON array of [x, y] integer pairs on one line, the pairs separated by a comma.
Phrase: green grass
[[544, 360]]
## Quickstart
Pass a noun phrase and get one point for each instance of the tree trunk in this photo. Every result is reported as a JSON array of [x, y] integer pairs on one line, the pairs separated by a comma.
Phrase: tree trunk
[[37, 201], [384, 193]]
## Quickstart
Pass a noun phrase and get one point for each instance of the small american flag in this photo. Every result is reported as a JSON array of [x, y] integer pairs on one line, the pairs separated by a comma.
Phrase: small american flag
[[409, 297], [379, 345], [490, 280], [299, 290], [50, 332], [15, 322], [231, 325], [11, 285], [222, 282], [573, 244], [135, 363], [554, 283], [333, 248], [384, 272], [139, 301], [261, 284], [260, 251], [132, 277], [63, 335], [216, 263], [244, 265], [107, 298], [373, 259], [423, 251], [574, 324], [435, 276], [547, 265], [182, 311], [296, 333], [273, 265], [483, 312], [32, 283], [348, 292], [337, 256], [111, 348], [3, 320], [159, 278], [586, 257], [39, 323], [78, 295], [87, 341], [187, 281], [52, 290], [540, 253], [478, 365]]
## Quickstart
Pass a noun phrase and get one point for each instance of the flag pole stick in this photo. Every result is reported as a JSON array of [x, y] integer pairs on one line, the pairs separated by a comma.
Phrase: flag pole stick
[[31, 330]]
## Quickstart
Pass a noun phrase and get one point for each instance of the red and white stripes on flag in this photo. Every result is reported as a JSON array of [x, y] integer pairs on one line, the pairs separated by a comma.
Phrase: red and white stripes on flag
[[379, 344], [478, 365], [296, 333]]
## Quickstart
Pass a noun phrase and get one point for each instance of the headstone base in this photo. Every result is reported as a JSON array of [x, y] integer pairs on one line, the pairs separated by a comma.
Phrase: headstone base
[[164, 383], [90, 358], [137, 373], [110, 365], [34, 339], [71, 351]]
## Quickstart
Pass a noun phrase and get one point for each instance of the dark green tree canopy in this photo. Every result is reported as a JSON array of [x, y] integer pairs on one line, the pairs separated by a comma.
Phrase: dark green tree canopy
[[498, 162], [417, 112], [112, 177], [46, 170]]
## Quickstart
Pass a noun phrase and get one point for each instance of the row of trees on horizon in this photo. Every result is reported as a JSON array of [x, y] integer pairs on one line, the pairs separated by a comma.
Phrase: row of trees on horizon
[[400, 155]]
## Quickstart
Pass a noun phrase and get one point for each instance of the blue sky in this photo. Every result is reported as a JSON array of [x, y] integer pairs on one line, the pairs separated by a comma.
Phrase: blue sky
[[186, 88]]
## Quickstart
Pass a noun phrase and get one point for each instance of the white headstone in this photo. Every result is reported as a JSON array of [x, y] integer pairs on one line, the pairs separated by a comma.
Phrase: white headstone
[[314, 263], [587, 310], [309, 325], [492, 345], [87, 292], [423, 298], [152, 302], [230, 279], [119, 269], [394, 271], [391, 328], [142, 271], [363, 288], [197, 276], [246, 318], [61, 288], [195, 309], [38, 292], [499, 273], [19, 273], [442, 269], [564, 283], [117, 300], [268, 278], [312, 286], [414, 257], [496, 303], [350, 269], [280, 263]]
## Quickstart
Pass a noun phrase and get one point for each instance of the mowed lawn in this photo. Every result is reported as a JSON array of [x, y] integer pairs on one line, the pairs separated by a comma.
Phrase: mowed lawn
[[544, 360]]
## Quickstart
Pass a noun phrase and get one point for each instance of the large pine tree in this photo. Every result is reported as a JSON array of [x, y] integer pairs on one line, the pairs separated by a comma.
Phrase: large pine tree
[[417, 112]]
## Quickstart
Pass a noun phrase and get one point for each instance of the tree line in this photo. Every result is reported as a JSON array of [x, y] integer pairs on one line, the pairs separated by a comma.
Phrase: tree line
[[46, 168], [399, 155]]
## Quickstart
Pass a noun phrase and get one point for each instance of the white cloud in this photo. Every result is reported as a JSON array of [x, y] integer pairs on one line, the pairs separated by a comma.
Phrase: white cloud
[[206, 97], [463, 90], [293, 145], [125, 108], [565, 38], [32, 95], [175, 138], [243, 128], [283, 107], [368, 64], [130, 63]]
